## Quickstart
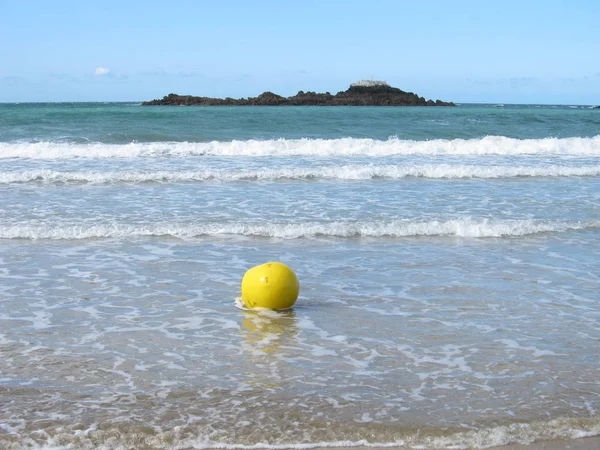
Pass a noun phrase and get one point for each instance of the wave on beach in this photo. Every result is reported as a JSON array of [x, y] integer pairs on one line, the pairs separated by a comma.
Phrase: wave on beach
[[464, 227], [489, 145], [345, 172], [110, 437]]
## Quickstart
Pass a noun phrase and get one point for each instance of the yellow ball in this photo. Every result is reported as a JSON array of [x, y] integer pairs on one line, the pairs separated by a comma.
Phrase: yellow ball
[[272, 285]]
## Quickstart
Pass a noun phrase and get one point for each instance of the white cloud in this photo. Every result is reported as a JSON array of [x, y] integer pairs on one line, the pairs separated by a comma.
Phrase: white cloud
[[101, 71]]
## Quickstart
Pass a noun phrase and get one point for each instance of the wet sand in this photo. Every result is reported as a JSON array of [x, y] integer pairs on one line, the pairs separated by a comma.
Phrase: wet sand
[[591, 443]]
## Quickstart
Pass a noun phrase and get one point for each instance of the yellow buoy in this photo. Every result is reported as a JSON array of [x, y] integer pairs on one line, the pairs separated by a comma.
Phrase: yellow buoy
[[272, 285]]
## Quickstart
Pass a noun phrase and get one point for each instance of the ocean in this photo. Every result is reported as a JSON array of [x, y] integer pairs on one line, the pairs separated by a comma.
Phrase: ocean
[[448, 259]]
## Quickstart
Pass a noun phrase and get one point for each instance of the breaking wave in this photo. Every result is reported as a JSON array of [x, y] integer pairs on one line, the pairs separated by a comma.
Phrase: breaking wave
[[489, 145], [463, 227], [346, 172]]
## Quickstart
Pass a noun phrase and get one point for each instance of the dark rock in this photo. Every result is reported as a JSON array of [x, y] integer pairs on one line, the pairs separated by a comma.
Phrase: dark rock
[[377, 95], [268, 99]]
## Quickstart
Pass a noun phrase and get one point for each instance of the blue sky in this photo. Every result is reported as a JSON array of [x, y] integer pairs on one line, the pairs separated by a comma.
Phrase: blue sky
[[466, 51]]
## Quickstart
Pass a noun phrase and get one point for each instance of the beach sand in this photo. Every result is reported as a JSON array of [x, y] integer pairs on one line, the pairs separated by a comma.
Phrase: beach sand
[[591, 443]]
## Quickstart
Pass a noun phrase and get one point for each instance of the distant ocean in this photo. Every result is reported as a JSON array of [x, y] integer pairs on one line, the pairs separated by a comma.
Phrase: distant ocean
[[449, 263]]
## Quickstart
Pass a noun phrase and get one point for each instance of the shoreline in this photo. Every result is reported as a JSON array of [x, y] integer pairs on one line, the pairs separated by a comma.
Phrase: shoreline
[[583, 443]]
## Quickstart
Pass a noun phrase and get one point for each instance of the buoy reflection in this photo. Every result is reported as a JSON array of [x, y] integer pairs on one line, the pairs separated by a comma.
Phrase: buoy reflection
[[269, 339]]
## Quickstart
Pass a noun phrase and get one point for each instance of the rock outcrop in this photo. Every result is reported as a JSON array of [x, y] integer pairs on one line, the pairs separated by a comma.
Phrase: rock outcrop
[[356, 95]]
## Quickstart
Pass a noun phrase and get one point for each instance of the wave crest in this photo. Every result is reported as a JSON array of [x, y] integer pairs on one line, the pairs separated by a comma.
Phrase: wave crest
[[464, 227], [489, 145], [346, 172]]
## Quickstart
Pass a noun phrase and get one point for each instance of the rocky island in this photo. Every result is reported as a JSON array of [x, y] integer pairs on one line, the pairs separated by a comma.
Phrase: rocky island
[[361, 93]]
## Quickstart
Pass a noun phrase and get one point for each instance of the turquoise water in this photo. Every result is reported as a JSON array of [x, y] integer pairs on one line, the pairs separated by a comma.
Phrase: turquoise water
[[122, 123], [449, 262]]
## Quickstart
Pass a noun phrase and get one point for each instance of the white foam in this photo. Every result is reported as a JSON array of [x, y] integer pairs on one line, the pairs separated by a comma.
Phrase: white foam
[[4, 340], [267, 312], [489, 145], [463, 227], [514, 345], [345, 172]]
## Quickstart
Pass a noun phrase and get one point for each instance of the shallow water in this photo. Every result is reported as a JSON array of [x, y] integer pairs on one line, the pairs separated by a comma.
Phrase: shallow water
[[449, 287]]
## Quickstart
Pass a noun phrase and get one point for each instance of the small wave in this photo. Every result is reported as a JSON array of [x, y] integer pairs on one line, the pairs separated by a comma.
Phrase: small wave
[[464, 227], [346, 172], [489, 145], [113, 436]]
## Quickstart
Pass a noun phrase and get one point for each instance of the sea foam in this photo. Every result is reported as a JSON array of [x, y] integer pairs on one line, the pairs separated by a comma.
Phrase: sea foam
[[463, 227], [489, 145], [344, 172]]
